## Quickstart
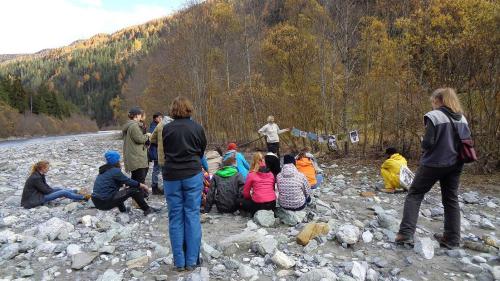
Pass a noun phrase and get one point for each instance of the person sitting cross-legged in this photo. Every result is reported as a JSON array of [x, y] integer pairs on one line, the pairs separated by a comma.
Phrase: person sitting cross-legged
[[293, 186], [226, 188], [108, 194]]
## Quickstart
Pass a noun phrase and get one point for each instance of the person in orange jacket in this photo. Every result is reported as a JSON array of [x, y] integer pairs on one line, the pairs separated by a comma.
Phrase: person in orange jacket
[[306, 166]]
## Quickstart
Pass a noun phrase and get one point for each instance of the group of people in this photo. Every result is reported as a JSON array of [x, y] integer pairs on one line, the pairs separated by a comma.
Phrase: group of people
[[177, 148], [250, 188]]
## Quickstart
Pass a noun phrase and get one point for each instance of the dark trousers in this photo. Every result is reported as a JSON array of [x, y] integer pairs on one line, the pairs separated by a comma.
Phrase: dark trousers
[[121, 196], [274, 148], [250, 206], [140, 175], [425, 178]]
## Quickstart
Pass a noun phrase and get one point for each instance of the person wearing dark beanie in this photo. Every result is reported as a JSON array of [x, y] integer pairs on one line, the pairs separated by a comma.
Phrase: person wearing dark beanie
[[107, 193], [293, 187], [288, 159]]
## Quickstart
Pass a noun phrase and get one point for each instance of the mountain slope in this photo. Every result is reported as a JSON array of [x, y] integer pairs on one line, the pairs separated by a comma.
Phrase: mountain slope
[[88, 73]]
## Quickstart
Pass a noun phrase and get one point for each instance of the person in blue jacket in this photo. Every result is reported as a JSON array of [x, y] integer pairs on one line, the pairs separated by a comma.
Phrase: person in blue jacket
[[108, 194], [241, 163]]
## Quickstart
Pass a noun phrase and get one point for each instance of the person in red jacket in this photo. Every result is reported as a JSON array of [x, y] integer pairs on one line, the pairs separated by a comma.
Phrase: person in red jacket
[[258, 192]]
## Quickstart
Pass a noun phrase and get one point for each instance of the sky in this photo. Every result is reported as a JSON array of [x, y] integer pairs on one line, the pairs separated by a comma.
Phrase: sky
[[28, 26]]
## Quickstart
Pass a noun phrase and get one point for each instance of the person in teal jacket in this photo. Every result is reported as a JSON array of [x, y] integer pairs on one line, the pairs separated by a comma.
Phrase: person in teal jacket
[[241, 163]]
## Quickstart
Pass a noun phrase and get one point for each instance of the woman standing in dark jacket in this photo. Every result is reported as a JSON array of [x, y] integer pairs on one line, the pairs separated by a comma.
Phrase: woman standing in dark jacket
[[184, 144], [439, 162], [37, 192]]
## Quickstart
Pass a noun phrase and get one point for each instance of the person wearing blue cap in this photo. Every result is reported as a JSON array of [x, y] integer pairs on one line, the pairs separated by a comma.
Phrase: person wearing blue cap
[[107, 194]]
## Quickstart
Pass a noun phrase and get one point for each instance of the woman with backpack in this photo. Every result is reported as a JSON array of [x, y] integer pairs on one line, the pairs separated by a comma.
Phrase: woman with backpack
[[445, 127]]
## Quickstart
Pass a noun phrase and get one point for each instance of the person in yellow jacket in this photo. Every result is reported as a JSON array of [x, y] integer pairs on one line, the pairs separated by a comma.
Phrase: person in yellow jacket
[[390, 170]]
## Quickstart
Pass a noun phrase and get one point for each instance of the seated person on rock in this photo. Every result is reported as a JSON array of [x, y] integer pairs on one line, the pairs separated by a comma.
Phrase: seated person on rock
[[390, 170], [226, 188], [305, 166], [272, 163], [258, 192], [107, 193], [293, 186], [317, 169], [37, 192], [241, 163]]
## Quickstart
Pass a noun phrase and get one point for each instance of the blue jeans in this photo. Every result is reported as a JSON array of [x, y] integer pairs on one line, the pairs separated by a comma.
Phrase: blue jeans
[[156, 172], [184, 199], [65, 193], [319, 180]]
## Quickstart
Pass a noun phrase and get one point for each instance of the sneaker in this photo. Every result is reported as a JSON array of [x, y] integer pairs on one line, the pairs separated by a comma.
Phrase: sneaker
[[403, 240], [443, 243]]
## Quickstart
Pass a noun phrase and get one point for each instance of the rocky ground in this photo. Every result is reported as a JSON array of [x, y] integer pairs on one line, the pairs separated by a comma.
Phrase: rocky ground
[[354, 227]]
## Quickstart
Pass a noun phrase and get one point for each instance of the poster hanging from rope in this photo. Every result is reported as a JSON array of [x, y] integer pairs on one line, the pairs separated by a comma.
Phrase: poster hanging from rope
[[312, 136], [332, 142], [354, 136]]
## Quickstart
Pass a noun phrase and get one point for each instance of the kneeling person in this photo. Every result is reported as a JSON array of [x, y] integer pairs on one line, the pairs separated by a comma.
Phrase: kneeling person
[[390, 170], [107, 193], [226, 188]]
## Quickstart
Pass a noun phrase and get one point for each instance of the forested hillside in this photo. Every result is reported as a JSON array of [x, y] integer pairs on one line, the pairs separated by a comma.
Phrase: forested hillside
[[327, 67], [86, 74], [322, 66]]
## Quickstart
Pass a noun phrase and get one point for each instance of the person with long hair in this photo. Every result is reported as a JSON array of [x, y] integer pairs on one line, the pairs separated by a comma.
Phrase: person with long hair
[[37, 192], [258, 192], [439, 162], [184, 144], [108, 194]]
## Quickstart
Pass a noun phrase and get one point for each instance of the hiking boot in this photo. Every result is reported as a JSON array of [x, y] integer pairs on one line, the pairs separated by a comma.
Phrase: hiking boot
[[86, 197], [444, 243], [403, 240], [151, 210]]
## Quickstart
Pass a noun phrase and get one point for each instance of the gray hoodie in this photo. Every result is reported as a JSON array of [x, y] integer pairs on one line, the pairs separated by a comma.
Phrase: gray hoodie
[[440, 145]]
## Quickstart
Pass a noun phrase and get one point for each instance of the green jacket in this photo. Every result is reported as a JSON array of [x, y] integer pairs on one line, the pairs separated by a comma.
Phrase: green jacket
[[135, 152]]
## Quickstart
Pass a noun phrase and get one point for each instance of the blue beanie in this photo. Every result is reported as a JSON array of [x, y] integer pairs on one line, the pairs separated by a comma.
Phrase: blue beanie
[[112, 157]]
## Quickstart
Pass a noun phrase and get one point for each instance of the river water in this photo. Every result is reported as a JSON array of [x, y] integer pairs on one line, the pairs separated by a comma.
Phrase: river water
[[43, 140]]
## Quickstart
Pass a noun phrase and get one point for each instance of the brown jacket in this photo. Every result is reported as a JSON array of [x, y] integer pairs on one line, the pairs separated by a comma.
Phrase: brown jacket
[[157, 137]]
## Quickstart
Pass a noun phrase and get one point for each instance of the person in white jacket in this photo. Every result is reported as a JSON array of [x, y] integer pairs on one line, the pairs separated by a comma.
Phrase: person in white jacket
[[272, 131]]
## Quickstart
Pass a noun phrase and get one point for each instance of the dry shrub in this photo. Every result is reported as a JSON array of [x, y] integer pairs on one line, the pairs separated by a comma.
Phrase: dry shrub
[[14, 124]]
